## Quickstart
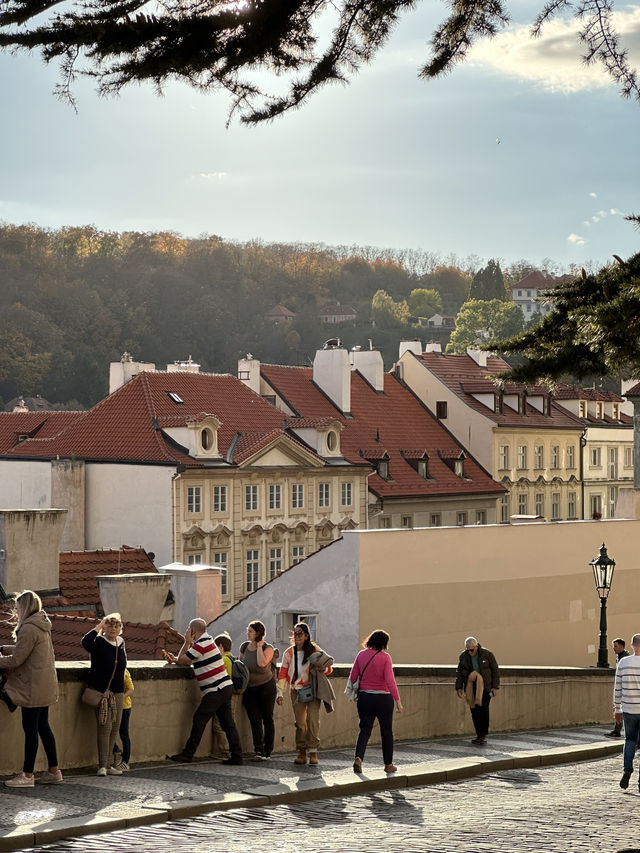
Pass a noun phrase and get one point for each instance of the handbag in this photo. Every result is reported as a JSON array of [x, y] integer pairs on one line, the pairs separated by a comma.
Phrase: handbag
[[305, 693], [94, 698], [353, 687]]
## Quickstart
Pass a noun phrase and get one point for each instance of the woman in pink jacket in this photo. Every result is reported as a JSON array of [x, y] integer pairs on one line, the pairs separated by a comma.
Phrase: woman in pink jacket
[[376, 697]]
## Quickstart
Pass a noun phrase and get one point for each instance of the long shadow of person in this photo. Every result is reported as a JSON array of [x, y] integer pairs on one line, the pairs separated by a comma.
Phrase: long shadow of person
[[393, 807]]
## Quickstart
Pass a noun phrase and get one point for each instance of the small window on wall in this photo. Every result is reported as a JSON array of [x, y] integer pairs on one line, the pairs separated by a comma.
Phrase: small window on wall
[[461, 519], [346, 494], [481, 516], [219, 498], [285, 620], [407, 521], [194, 560], [441, 410], [275, 562], [297, 554], [385, 522], [504, 509], [297, 496], [435, 519]]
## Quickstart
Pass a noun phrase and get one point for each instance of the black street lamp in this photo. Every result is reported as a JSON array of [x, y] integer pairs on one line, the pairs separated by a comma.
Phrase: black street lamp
[[603, 567]]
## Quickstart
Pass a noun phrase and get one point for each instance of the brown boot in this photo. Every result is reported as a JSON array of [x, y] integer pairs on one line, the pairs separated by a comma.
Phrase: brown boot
[[302, 757], [313, 758]]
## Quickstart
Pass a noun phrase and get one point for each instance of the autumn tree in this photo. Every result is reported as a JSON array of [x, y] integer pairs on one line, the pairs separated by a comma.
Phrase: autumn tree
[[481, 322], [452, 284], [214, 44]]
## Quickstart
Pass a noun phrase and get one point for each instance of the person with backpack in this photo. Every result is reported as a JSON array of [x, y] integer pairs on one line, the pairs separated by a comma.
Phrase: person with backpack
[[200, 651], [303, 665], [259, 698]]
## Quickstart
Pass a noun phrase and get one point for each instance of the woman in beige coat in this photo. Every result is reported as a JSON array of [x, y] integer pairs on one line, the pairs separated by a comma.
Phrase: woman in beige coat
[[32, 684]]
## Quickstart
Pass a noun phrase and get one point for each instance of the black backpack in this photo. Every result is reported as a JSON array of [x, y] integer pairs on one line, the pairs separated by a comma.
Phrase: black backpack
[[239, 675]]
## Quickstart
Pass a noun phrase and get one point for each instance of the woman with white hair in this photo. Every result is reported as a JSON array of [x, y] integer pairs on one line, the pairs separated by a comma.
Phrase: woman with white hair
[[106, 675], [32, 684]]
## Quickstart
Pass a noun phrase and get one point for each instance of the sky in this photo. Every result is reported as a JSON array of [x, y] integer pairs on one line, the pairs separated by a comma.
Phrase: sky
[[521, 153]]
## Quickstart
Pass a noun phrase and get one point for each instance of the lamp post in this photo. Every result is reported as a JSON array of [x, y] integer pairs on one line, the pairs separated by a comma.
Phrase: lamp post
[[603, 567]]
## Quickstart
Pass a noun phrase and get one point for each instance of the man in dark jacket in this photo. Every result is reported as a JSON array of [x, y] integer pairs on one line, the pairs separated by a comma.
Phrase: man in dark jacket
[[620, 652], [475, 659]]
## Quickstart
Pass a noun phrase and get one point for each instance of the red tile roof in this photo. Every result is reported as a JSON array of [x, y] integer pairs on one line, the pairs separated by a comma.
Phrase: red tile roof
[[143, 642], [570, 392], [15, 425], [126, 425], [464, 376], [393, 421], [79, 569]]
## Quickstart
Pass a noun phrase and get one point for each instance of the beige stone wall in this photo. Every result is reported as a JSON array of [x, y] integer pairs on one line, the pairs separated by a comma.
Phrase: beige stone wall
[[165, 697], [525, 591]]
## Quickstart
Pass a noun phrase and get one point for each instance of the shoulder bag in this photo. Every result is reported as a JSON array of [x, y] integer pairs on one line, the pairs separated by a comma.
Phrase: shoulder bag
[[353, 687]]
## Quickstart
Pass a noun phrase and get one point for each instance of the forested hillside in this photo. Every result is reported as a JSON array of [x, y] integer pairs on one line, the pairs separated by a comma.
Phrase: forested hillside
[[75, 299]]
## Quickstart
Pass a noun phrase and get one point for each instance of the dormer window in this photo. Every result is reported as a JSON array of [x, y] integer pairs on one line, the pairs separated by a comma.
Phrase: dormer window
[[599, 410], [615, 411], [582, 408], [458, 467], [423, 468], [497, 402], [383, 469], [332, 440], [204, 437]]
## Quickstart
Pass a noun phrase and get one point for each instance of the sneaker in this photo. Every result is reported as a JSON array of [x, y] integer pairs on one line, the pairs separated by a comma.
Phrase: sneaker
[[258, 756], [480, 740], [123, 766], [357, 765], [44, 777], [114, 771], [624, 782], [180, 757], [233, 761], [20, 781], [102, 771], [614, 733]]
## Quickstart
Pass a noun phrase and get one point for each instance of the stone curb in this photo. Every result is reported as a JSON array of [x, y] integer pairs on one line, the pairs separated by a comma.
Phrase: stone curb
[[344, 784]]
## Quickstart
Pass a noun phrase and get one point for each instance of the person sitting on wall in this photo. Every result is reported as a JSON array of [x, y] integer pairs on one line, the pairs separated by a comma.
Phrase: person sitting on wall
[[200, 651], [478, 679]]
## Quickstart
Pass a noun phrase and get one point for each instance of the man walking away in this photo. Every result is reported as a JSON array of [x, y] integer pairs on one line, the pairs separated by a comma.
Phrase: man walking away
[[620, 652], [200, 651], [478, 678], [626, 706]]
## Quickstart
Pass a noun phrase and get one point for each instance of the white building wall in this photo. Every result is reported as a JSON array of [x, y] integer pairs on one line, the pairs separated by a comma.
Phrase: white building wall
[[25, 484], [326, 584], [129, 504]]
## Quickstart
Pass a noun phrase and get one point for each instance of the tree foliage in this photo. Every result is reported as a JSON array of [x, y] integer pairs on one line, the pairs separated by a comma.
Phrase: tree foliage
[[386, 313], [488, 283], [480, 321], [424, 302], [593, 329], [227, 44]]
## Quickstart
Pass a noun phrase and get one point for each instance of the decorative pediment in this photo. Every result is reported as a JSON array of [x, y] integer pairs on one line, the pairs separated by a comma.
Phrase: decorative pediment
[[347, 524], [194, 530], [282, 452]]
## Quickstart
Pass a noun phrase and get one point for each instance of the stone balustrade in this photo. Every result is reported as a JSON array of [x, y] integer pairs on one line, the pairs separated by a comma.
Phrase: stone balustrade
[[165, 696]]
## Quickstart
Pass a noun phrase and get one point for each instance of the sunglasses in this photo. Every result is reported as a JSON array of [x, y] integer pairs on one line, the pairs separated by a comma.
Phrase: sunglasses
[[114, 623], [299, 634]]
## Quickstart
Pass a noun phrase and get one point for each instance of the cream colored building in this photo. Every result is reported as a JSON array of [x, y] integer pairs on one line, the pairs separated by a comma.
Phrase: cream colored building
[[607, 449], [530, 445]]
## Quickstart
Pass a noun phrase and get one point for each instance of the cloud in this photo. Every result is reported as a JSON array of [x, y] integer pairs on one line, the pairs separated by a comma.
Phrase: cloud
[[554, 61], [576, 239], [212, 176], [593, 195]]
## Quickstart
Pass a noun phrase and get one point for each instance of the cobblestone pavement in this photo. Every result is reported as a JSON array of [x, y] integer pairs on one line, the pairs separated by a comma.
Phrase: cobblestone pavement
[[575, 808]]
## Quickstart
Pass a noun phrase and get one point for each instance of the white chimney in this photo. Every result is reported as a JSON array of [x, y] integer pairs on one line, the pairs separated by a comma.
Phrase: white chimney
[[188, 366], [414, 346], [122, 371], [197, 591], [369, 363], [249, 372], [29, 548], [332, 374], [433, 347], [479, 356]]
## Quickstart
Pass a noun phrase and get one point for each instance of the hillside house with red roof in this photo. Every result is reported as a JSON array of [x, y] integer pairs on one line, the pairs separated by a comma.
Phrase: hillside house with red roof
[[421, 475], [196, 467], [528, 292], [529, 443]]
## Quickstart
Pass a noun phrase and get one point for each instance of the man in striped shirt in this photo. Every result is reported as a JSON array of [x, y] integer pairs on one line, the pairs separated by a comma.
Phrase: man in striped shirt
[[626, 706], [200, 652]]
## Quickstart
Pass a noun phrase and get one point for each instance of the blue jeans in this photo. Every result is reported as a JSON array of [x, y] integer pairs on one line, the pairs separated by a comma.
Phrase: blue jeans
[[631, 735]]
